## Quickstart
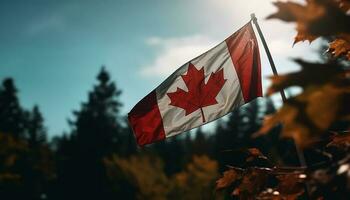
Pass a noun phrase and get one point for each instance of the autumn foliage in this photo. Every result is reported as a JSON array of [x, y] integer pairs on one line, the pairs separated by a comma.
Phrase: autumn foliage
[[23, 168], [262, 181], [146, 174], [326, 87], [317, 119]]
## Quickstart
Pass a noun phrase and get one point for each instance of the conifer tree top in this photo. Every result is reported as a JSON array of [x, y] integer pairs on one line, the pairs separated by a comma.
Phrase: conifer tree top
[[103, 76], [9, 85]]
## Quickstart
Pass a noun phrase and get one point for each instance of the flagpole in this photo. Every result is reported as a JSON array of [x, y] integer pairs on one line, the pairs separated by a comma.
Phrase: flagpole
[[272, 64], [273, 67], [299, 152]]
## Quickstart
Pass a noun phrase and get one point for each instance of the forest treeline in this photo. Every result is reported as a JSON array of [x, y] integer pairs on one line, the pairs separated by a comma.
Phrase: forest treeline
[[99, 159]]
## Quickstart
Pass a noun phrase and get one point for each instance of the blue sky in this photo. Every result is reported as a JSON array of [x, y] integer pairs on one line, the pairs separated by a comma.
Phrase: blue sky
[[54, 49]]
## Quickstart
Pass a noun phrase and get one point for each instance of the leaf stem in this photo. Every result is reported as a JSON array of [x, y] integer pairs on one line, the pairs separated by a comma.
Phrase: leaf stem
[[203, 117]]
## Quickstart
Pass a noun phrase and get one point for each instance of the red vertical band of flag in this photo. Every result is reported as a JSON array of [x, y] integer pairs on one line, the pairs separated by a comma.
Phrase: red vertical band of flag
[[146, 121], [243, 47]]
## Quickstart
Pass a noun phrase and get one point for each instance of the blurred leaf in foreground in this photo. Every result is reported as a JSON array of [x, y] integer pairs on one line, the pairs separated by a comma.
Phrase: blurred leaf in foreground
[[323, 102]]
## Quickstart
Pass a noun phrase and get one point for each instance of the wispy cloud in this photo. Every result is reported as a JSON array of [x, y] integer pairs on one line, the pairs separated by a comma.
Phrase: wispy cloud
[[284, 48], [54, 22], [174, 52]]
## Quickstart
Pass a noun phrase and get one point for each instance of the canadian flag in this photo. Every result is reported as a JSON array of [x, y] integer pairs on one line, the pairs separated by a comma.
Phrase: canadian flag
[[202, 90]]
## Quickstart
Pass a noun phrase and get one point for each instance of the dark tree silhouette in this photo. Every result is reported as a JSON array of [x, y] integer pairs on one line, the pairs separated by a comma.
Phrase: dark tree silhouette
[[128, 145], [172, 153], [235, 133], [96, 133], [200, 144], [11, 114], [26, 162], [97, 126], [36, 131]]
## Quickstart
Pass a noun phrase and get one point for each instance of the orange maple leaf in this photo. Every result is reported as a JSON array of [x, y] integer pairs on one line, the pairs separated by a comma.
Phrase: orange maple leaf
[[340, 47], [200, 94], [315, 18]]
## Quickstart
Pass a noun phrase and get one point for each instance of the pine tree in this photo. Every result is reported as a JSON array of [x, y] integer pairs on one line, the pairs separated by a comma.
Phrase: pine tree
[[188, 147], [96, 134], [200, 146], [128, 145], [36, 130], [228, 132], [172, 152], [11, 114], [251, 121], [23, 143], [97, 123]]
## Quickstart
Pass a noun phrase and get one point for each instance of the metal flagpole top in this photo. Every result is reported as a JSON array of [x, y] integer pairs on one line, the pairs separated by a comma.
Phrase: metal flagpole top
[[253, 17]]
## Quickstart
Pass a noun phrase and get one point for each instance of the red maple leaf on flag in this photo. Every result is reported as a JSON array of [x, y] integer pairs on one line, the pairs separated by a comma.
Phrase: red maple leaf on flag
[[200, 94]]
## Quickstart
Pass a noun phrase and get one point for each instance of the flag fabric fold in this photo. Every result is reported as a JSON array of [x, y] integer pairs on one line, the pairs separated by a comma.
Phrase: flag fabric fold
[[202, 90]]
